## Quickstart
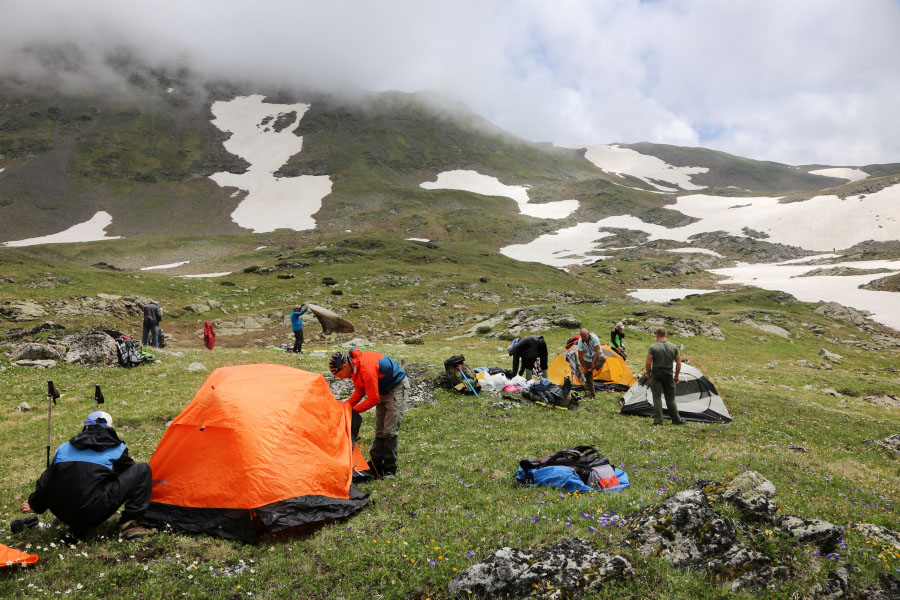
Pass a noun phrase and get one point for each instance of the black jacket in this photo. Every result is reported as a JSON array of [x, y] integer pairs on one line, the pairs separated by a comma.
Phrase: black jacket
[[75, 486], [152, 314], [529, 349]]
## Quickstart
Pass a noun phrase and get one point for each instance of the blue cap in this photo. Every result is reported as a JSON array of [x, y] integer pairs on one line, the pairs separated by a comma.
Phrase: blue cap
[[512, 345]]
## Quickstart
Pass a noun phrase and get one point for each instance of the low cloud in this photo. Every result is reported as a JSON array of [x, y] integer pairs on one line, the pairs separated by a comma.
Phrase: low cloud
[[811, 81]]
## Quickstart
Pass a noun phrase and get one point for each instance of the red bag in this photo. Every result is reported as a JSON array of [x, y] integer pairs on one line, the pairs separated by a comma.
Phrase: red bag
[[209, 336]]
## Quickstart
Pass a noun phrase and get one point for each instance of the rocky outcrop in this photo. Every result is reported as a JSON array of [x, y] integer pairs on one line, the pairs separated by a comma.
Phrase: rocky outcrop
[[17, 334], [822, 534], [891, 442], [753, 495], [839, 312], [831, 357], [685, 327], [91, 348], [565, 569], [21, 310]]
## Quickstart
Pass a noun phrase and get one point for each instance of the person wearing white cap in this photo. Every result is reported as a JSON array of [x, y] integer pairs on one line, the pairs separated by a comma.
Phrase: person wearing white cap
[[90, 477], [617, 338]]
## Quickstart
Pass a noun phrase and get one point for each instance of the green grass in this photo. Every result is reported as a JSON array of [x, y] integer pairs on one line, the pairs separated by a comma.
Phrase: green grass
[[455, 502]]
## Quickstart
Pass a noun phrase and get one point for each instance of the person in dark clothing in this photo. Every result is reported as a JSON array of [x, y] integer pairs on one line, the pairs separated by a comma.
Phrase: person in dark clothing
[[617, 339], [152, 319], [90, 477], [660, 358], [528, 350], [297, 326]]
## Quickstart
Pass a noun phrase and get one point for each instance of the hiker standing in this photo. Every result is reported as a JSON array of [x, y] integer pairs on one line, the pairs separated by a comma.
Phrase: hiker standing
[[617, 339], [90, 477], [383, 383], [590, 357], [297, 326], [659, 369], [152, 319], [528, 350]]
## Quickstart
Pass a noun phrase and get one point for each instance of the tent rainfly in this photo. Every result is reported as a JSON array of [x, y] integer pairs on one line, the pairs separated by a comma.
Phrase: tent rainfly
[[695, 395], [612, 376], [260, 448]]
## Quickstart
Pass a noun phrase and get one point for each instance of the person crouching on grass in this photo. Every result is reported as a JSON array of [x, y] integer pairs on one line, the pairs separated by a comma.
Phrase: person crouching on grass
[[90, 477], [383, 383]]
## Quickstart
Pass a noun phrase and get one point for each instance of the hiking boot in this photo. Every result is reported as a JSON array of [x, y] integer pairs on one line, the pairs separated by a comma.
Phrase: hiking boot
[[69, 537], [389, 476], [132, 530], [565, 401], [657, 423], [19, 525]]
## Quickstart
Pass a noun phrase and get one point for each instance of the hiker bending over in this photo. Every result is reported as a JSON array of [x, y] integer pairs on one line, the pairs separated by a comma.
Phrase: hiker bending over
[[297, 326], [617, 339], [152, 319], [590, 357], [659, 369], [90, 477], [383, 383], [528, 350]]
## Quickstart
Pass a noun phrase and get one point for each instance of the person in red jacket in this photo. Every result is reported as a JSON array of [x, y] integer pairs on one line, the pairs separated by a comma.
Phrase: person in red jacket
[[383, 383]]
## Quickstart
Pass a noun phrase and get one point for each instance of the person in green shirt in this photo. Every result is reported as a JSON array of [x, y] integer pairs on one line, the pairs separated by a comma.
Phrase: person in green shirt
[[660, 357]]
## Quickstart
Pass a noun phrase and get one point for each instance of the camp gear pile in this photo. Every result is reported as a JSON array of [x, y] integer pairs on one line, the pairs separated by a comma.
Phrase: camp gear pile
[[582, 468]]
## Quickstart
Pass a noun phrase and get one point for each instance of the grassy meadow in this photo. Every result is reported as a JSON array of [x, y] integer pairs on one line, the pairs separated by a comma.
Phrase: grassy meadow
[[455, 500]]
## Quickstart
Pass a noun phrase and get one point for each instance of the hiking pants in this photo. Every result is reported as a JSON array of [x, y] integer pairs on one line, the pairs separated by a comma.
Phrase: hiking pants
[[664, 384], [588, 381], [388, 416], [298, 340], [150, 334], [133, 487]]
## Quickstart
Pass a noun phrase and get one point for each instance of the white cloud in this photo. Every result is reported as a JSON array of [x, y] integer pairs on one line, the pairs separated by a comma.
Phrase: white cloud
[[809, 81]]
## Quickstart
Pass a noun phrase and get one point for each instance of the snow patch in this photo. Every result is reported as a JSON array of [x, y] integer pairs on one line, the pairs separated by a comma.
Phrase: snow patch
[[665, 294], [260, 247], [624, 161], [820, 223], [169, 266], [695, 251], [417, 240], [475, 182], [92, 230], [568, 246], [199, 275], [841, 173], [271, 202], [843, 289]]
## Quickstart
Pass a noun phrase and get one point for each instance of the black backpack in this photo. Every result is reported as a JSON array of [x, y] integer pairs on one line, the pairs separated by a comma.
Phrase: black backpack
[[128, 353]]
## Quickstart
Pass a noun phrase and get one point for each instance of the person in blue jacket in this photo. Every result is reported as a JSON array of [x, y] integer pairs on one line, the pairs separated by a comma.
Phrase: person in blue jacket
[[297, 326], [90, 477]]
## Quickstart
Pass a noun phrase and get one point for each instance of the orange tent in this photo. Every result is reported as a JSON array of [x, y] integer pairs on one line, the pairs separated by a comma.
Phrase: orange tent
[[614, 372], [11, 556], [259, 449]]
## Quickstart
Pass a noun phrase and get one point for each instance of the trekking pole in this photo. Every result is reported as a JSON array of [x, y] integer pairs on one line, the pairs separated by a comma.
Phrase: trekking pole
[[369, 458], [471, 387], [52, 395], [98, 396]]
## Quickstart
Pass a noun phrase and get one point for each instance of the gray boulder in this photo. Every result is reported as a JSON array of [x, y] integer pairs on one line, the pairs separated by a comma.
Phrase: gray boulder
[[836, 585], [891, 442], [91, 348], [753, 495], [195, 366], [811, 531], [571, 565], [35, 351], [831, 356], [197, 308], [21, 310], [839, 312], [879, 534]]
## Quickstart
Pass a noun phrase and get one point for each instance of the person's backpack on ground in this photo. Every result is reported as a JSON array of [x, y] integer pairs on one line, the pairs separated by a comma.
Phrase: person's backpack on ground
[[127, 352], [590, 465], [455, 369]]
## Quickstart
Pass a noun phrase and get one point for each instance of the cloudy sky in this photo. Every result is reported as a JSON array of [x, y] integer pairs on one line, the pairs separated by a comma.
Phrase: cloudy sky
[[796, 81]]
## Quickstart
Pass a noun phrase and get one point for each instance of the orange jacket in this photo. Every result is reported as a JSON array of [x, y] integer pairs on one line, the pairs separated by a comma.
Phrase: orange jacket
[[374, 374]]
